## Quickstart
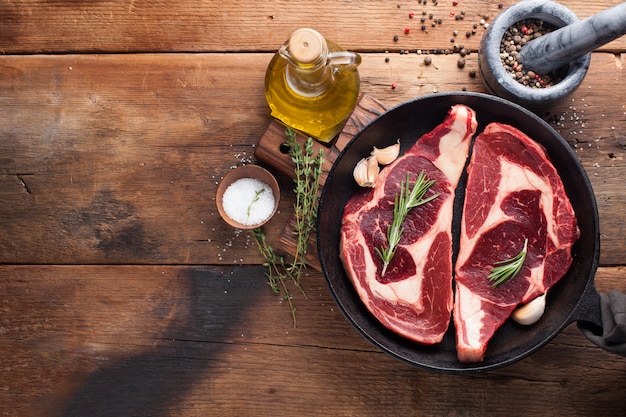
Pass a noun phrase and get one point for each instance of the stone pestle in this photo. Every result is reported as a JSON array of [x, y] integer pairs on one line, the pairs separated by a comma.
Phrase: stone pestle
[[564, 45]]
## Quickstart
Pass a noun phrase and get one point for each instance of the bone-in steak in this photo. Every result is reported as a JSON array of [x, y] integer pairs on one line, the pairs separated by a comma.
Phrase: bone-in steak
[[513, 193], [414, 297]]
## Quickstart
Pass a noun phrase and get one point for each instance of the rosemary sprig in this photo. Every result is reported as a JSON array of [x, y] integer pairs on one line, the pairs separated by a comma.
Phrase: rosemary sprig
[[508, 269], [308, 168], [406, 200]]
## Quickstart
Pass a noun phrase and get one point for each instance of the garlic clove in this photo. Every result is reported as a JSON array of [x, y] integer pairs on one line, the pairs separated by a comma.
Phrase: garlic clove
[[530, 312], [388, 154], [366, 172]]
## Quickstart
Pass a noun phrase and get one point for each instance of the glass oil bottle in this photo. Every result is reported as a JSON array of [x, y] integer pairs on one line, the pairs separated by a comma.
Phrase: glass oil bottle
[[312, 85]]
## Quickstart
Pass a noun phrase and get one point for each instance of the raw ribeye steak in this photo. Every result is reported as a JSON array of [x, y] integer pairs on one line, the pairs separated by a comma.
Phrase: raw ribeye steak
[[513, 193], [414, 297]]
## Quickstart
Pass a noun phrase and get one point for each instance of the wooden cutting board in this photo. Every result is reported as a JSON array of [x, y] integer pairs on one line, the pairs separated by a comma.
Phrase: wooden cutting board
[[268, 151]]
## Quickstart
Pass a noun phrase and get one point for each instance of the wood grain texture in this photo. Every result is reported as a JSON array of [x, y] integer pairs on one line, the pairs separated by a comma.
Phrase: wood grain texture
[[122, 292], [197, 341], [114, 26]]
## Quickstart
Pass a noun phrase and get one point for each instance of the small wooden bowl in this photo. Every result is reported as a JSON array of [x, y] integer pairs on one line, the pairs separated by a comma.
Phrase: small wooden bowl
[[246, 171]]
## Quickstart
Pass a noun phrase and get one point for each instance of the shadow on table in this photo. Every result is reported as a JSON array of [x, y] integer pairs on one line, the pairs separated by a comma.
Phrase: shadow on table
[[152, 384]]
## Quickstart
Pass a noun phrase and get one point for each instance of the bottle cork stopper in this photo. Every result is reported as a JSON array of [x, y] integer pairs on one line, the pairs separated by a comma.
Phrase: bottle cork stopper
[[305, 45]]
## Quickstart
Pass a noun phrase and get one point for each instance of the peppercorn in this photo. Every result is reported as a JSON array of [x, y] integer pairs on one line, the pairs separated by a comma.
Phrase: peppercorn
[[472, 73], [428, 60], [395, 38], [460, 63], [510, 46]]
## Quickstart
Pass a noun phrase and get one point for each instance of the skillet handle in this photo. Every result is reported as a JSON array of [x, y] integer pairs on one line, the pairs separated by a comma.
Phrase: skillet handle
[[610, 332], [589, 311]]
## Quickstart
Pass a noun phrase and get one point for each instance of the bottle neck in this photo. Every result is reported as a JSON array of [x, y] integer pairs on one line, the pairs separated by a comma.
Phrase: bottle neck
[[308, 71], [309, 81]]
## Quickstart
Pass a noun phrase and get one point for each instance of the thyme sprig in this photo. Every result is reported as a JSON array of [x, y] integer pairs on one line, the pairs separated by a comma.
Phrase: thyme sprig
[[308, 168], [508, 269], [404, 201], [257, 197]]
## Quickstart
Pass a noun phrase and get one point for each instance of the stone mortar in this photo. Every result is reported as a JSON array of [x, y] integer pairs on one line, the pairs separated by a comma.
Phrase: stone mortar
[[500, 82]]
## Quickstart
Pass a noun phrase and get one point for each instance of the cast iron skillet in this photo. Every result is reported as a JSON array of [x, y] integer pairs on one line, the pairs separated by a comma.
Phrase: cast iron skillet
[[574, 298]]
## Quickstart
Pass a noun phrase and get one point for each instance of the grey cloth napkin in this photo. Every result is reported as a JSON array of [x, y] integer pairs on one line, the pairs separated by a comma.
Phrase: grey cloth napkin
[[613, 337]]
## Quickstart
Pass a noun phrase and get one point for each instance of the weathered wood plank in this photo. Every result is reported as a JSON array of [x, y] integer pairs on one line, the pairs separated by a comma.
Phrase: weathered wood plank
[[116, 158], [192, 341], [36, 26]]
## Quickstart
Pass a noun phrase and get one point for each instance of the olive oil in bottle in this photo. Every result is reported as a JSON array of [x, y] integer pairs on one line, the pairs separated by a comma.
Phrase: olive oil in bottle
[[312, 85]]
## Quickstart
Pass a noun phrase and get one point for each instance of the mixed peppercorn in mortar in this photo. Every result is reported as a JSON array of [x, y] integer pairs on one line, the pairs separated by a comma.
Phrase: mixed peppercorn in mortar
[[512, 42]]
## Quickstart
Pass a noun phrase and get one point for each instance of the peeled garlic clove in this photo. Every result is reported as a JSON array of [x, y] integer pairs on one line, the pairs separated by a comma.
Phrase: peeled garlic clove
[[530, 312], [366, 172], [387, 155]]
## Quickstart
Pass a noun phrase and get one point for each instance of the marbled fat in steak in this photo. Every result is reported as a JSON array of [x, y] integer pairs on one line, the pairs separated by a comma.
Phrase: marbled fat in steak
[[414, 297], [513, 193]]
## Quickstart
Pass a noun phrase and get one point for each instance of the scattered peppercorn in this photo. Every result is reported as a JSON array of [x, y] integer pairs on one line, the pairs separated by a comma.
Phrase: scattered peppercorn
[[472, 73], [387, 59], [411, 15], [407, 30], [460, 63], [393, 86], [396, 38], [428, 60]]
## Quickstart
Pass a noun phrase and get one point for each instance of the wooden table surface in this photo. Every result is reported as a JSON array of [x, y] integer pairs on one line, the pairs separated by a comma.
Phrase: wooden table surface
[[122, 292]]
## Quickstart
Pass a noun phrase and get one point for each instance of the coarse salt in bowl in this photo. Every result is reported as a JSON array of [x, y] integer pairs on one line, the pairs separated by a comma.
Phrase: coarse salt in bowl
[[247, 197]]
